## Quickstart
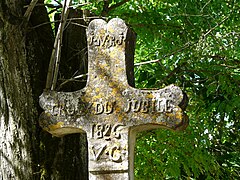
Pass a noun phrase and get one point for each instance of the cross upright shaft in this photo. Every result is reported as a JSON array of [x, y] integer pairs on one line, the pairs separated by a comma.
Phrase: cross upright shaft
[[108, 109]]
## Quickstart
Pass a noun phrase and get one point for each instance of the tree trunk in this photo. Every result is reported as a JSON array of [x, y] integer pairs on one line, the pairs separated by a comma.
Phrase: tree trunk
[[27, 152], [17, 110]]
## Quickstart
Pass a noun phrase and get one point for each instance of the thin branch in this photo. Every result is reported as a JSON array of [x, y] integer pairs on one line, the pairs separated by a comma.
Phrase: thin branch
[[89, 17], [190, 15], [106, 7], [167, 55], [173, 72], [80, 5], [72, 79], [57, 6], [45, 23], [43, 4], [218, 24], [58, 2], [162, 25], [184, 47], [77, 24], [56, 53], [117, 5], [65, 12], [71, 19], [205, 5], [29, 10]]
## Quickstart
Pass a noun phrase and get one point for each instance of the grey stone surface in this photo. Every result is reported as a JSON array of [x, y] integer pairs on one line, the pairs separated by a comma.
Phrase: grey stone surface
[[108, 109]]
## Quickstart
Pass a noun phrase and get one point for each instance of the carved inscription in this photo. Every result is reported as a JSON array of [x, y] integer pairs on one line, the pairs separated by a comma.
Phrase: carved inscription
[[132, 105], [108, 40], [148, 106], [108, 133], [106, 107]]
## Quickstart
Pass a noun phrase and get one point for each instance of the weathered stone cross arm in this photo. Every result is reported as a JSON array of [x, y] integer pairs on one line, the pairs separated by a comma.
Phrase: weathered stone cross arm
[[67, 113], [108, 109]]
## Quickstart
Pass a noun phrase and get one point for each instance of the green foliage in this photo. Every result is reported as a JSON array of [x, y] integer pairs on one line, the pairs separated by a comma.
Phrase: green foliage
[[195, 45]]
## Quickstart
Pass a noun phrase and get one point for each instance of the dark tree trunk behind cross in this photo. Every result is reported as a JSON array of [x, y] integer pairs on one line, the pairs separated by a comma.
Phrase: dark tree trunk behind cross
[[26, 152]]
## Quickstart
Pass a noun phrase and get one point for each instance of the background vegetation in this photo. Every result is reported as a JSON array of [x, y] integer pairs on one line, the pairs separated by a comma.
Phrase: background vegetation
[[193, 44]]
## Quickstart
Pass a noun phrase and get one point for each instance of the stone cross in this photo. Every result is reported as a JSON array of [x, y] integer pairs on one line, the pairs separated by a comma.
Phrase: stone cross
[[109, 109]]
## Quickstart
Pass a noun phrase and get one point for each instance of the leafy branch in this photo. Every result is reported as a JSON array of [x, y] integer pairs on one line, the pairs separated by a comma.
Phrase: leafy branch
[[167, 55], [188, 44], [117, 5], [106, 7], [217, 25]]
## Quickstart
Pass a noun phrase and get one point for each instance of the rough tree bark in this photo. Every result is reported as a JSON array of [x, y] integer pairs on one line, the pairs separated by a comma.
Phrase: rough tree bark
[[17, 110], [26, 152]]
